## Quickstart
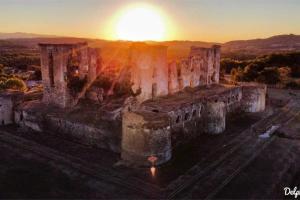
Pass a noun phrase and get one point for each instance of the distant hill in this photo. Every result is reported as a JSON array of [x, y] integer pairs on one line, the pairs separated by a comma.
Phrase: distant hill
[[279, 43], [22, 35], [176, 49], [243, 49]]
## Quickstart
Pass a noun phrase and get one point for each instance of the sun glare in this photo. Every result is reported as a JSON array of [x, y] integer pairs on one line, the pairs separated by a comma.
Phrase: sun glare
[[140, 23]]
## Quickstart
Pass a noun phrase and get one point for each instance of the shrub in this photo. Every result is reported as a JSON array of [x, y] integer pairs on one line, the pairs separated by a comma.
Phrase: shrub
[[75, 84], [14, 84], [251, 71], [237, 74], [269, 76]]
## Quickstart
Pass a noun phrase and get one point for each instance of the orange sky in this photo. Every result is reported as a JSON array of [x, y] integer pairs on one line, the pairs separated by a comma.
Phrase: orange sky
[[205, 20]]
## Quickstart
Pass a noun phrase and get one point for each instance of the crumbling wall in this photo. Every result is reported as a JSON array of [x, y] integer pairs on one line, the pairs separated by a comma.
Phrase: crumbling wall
[[231, 98], [149, 71], [254, 97], [185, 73], [143, 138], [201, 57], [196, 64], [173, 81], [26, 119], [185, 123], [214, 117], [105, 133], [8, 103], [66, 70], [216, 65], [6, 110], [201, 68], [160, 71], [94, 62], [109, 138]]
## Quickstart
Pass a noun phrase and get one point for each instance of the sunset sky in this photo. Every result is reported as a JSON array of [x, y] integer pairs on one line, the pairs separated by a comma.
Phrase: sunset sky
[[204, 20]]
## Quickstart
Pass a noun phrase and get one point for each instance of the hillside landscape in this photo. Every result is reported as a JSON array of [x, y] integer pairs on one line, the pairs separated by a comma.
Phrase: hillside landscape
[[276, 57]]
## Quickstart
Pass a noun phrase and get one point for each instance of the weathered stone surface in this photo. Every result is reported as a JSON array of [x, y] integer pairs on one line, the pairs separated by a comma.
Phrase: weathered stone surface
[[185, 73], [254, 97], [171, 103], [215, 117], [87, 134], [6, 110], [149, 70], [8, 102], [173, 78], [143, 138], [60, 64]]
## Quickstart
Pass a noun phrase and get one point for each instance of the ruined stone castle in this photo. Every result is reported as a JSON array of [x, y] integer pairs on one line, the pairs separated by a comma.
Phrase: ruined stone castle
[[171, 102]]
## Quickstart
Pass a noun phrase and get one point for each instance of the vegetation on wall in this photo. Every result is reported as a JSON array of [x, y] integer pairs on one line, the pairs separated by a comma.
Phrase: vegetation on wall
[[120, 87], [75, 84]]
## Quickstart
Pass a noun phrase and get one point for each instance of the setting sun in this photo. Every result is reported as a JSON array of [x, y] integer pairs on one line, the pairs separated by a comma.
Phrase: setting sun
[[139, 23]]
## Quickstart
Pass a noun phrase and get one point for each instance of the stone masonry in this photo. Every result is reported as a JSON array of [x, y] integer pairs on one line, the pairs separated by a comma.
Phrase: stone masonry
[[66, 69], [152, 77], [171, 104]]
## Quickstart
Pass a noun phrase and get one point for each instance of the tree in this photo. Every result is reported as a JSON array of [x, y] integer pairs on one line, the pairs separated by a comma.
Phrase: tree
[[237, 74], [269, 76], [251, 72], [14, 84]]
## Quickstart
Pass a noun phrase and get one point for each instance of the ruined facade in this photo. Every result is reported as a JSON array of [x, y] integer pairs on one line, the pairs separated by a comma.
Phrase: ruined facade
[[157, 126], [66, 70], [201, 68], [149, 71], [170, 105], [153, 77]]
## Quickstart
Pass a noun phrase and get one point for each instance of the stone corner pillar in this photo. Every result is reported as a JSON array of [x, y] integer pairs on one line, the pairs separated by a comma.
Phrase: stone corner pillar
[[214, 118], [142, 140], [254, 98]]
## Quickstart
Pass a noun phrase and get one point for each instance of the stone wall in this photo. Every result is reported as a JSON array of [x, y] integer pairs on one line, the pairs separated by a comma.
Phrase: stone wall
[[254, 97], [105, 133], [8, 102], [6, 110], [214, 119], [151, 75], [107, 138], [95, 63], [149, 70], [202, 67], [173, 81], [143, 138], [61, 64], [169, 129]]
